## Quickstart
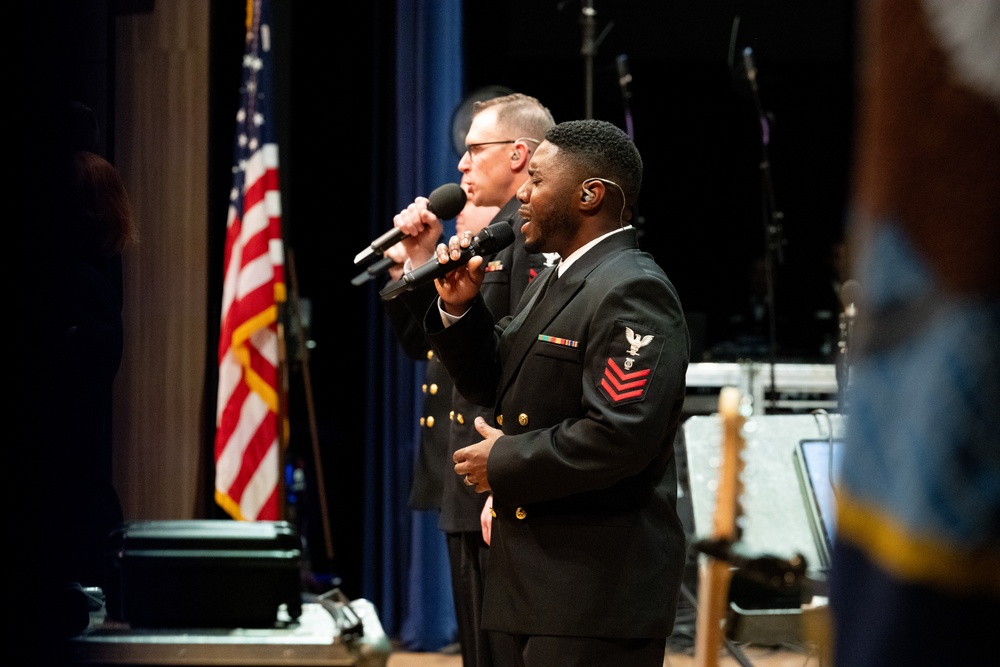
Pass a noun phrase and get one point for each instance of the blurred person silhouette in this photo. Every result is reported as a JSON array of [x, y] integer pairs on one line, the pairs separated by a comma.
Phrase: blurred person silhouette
[[503, 134], [916, 561], [82, 338], [87, 346]]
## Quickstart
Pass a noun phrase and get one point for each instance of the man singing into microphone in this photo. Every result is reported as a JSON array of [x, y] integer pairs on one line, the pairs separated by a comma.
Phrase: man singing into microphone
[[588, 381], [504, 133]]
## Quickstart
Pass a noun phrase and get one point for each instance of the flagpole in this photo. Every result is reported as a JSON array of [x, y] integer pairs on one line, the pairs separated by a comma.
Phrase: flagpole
[[283, 427]]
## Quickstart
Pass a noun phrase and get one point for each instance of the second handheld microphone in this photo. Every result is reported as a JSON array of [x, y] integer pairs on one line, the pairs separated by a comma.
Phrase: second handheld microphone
[[446, 201]]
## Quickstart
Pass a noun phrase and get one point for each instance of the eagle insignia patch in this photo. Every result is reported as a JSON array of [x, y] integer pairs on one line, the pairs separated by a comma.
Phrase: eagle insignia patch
[[627, 374], [636, 341]]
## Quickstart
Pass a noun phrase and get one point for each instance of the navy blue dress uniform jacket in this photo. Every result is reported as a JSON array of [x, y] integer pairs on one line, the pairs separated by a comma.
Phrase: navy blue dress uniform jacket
[[588, 385], [431, 465], [508, 274]]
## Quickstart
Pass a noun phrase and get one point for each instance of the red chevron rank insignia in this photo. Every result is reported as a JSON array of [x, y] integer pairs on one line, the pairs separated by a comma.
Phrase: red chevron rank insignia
[[620, 386], [623, 380]]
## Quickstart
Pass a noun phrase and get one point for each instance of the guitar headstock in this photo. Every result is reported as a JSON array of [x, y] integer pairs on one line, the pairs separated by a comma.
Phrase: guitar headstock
[[715, 574], [728, 508]]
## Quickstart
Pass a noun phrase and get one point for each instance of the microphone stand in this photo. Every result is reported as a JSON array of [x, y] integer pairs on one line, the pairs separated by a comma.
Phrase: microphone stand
[[625, 83], [772, 217], [303, 354], [844, 355], [588, 50]]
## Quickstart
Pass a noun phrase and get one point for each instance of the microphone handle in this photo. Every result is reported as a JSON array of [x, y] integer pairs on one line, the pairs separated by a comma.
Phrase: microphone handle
[[387, 240], [381, 244], [436, 270]]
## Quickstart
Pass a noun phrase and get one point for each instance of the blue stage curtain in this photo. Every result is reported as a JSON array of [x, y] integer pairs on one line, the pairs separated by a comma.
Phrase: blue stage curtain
[[405, 572]]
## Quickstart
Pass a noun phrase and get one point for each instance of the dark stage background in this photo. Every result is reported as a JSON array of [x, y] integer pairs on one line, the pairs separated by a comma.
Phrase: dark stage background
[[694, 120], [696, 124]]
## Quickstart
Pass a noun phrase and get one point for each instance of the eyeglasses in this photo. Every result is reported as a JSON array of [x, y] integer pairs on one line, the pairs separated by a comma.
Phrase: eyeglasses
[[473, 149]]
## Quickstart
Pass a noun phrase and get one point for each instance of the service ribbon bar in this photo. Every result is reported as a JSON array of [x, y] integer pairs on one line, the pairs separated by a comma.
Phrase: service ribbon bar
[[555, 340]]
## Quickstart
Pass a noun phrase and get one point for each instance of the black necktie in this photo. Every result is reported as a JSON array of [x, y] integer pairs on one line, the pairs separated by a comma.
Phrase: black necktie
[[548, 283]]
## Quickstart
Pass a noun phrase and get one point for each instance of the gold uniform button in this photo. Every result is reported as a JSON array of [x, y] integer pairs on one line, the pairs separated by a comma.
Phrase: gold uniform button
[[421, 421], [499, 420], [434, 389], [521, 513], [451, 415], [423, 388], [430, 354], [493, 513], [460, 418], [522, 419], [430, 421]]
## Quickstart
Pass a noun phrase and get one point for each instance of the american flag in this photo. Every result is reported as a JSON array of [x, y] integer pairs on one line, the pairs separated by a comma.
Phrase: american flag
[[248, 419]]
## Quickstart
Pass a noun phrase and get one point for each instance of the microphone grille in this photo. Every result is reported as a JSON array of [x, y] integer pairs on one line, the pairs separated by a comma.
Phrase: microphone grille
[[493, 238], [447, 201]]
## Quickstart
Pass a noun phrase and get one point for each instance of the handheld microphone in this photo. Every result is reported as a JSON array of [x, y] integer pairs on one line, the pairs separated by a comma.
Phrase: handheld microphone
[[445, 202], [489, 240]]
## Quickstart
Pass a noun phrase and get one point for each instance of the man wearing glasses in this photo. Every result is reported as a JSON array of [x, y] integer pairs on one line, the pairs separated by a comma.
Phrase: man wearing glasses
[[504, 133]]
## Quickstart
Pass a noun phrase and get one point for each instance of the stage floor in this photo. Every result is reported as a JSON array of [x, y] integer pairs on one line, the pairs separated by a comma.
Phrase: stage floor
[[759, 656]]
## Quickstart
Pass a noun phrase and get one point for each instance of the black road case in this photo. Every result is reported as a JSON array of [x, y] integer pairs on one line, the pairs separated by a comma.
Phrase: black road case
[[204, 573]]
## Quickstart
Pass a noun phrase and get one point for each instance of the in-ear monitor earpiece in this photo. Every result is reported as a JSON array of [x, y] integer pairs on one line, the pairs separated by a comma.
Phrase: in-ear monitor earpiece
[[588, 195]]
